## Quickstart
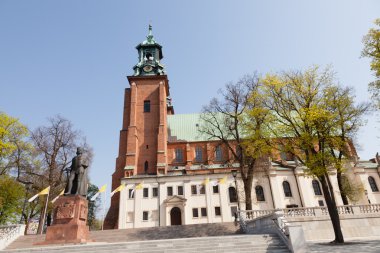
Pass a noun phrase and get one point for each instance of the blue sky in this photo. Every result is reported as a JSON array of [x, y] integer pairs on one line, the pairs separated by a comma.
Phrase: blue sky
[[72, 57]]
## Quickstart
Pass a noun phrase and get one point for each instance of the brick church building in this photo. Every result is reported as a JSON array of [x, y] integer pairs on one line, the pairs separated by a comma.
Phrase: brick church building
[[174, 176]]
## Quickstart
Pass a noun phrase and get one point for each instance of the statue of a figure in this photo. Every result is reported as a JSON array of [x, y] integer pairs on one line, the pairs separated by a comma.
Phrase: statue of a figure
[[77, 181]]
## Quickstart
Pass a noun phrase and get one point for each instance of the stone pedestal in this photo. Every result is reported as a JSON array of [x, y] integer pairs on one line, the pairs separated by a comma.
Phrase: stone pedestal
[[69, 221]]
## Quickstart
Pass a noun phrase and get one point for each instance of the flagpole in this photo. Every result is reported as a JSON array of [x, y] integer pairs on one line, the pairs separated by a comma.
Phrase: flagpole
[[103, 199], [45, 209]]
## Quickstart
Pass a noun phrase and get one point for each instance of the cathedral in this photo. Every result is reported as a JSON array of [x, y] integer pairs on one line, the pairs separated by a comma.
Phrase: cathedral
[[174, 176]]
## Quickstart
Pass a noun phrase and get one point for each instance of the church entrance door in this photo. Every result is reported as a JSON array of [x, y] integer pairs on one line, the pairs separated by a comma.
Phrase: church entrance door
[[175, 216]]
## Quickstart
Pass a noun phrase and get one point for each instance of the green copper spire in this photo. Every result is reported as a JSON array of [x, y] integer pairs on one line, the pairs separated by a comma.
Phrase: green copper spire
[[149, 38], [150, 55]]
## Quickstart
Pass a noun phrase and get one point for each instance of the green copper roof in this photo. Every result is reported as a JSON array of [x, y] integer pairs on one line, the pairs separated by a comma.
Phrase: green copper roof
[[184, 127]]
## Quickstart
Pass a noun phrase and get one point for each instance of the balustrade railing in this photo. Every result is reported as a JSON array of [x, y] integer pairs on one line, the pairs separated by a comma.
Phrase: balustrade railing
[[299, 212], [9, 233], [313, 211], [374, 208]]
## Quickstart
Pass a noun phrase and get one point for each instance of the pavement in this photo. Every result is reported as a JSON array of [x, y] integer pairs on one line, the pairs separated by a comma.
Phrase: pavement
[[350, 246]]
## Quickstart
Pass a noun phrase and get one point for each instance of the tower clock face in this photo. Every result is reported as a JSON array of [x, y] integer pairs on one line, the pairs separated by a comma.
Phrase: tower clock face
[[148, 68]]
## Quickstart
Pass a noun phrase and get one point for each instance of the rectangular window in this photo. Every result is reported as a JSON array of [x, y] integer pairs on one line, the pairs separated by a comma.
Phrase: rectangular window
[[202, 189], [146, 192], [170, 191], [194, 190], [217, 211], [147, 106], [320, 202], [204, 212], [155, 191], [195, 213], [145, 215], [180, 190], [178, 155], [131, 193], [215, 188]]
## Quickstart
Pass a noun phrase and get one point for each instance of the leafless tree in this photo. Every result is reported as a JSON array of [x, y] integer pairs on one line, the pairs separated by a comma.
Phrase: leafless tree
[[225, 120], [55, 145]]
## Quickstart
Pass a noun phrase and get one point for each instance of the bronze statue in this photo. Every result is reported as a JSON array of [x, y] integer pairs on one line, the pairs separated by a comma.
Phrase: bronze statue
[[77, 181]]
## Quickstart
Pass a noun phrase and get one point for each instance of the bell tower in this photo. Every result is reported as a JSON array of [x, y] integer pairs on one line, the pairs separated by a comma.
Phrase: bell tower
[[150, 55], [143, 137]]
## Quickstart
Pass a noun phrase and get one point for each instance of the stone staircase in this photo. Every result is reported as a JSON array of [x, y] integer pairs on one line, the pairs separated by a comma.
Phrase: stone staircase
[[220, 237]]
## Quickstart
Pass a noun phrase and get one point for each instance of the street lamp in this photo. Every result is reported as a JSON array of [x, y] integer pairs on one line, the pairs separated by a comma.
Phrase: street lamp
[[27, 188], [366, 194], [234, 174]]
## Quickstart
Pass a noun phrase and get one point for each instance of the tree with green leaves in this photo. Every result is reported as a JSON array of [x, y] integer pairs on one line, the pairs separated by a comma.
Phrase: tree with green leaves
[[348, 116], [371, 50], [309, 124], [223, 120], [11, 200], [12, 138], [92, 206]]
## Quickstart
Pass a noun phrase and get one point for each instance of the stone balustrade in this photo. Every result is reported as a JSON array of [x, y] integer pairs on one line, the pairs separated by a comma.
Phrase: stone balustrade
[[10, 233], [313, 211]]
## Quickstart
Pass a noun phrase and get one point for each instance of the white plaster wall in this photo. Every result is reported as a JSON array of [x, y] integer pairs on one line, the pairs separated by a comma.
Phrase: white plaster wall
[[209, 200], [131, 210], [282, 201]]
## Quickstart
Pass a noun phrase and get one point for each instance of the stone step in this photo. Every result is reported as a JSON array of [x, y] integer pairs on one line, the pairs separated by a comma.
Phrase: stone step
[[235, 243], [142, 234]]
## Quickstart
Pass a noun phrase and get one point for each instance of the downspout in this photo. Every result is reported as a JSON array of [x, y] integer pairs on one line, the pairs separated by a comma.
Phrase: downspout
[[271, 192], [270, 184], [298, 188], [159, 202]]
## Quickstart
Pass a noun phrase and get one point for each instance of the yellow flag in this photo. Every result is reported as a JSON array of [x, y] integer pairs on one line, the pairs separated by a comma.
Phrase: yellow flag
[[139, 186], [44, 191], [223, 180], [60, 194], [206, 181], [121, 187], [103, 188]]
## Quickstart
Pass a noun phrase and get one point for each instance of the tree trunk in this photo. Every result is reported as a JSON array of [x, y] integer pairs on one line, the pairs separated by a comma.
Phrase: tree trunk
[[248, 196], [26, 227], [328, 193], [48, 219], [247, 181], [340, 184]]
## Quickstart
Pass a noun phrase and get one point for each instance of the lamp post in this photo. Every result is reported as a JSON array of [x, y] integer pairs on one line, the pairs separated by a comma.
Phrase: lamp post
[[234, 174], [27, 188], [366, 194]]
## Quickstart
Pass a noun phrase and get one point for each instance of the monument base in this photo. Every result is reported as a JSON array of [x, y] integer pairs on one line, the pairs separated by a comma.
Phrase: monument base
[[69, 221]]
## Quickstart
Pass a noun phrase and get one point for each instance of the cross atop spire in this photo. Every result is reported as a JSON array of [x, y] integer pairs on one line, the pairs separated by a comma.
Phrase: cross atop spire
[[149, 38]]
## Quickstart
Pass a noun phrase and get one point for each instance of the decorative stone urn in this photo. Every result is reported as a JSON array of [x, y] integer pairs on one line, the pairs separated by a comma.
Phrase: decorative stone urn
[[69, 221]]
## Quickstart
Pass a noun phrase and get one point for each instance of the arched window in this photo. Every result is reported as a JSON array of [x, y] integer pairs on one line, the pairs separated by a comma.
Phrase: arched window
[[316, 187], [198, 154], [259, 193], [218, 153], [178, 155], [146, 167], [287, 190], [372, 183], [232, 194]]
